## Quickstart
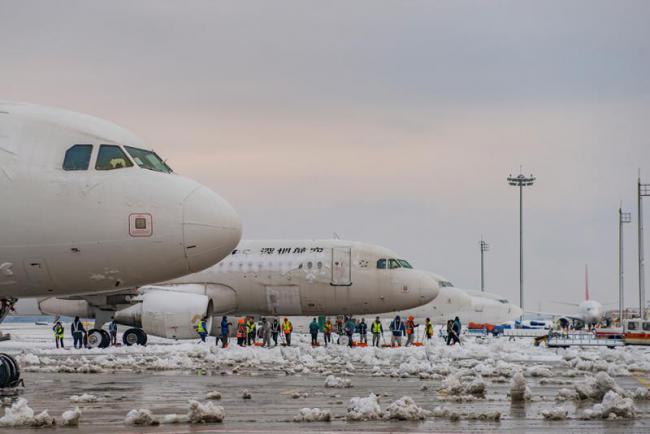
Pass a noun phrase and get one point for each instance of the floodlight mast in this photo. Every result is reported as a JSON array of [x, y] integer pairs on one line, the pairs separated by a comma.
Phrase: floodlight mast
[[623, 217], [521, 181], [484, 248]]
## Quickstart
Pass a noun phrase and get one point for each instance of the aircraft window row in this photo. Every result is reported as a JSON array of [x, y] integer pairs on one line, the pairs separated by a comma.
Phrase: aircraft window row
[[445, 284], [110, 157], [382, 264]]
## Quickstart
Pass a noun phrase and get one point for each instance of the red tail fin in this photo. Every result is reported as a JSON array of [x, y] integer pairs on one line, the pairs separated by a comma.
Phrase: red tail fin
[[586, 283]]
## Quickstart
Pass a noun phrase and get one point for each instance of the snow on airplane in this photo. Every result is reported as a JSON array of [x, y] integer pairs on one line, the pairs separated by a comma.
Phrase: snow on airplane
[[270, 277], [87, 207]]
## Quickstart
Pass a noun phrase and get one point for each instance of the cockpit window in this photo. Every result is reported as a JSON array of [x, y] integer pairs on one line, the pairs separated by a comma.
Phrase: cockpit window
[[381, 264], [392, 263], [111, 157], [445, 284], [148, 160], [404, 263], [77, 157]]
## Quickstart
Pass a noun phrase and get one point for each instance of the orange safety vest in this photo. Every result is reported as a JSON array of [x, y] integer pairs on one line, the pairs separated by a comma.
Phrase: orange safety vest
[[241, 331], [410, 325], [287, 327], [328, 327]]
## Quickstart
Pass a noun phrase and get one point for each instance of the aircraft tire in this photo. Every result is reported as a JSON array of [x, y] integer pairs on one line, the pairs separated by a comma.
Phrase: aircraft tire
[[106, 339], [9, 371], [142, 337], [95, 338], [130, 337]]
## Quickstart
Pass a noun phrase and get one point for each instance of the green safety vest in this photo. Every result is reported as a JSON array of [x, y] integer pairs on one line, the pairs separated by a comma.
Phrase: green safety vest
[[376, 327], [58, 332], [201, 327]]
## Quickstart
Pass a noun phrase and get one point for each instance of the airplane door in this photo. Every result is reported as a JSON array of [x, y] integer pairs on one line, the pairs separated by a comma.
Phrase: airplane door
[[283, 300], [341, 266]]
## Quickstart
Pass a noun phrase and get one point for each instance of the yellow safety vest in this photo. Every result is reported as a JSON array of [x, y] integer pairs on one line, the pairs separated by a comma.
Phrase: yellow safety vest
[[250, 326], [429, 328], [287, 327], [201, 327], [376, 327], [58, 332]]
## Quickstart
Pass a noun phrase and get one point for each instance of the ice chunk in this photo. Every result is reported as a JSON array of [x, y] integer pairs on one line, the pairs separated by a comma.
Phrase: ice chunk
[[494, 416], [20, 414], [205, 413], [596, 387], [641, 393], [539, 371], [213, 395], [405, 409], [612, 406], [519, 390], [245, 394], [71, 417], [85, 398], [141, 416], [337, 382], [555, 413], [313, 415], [364, 408], [565, 394]]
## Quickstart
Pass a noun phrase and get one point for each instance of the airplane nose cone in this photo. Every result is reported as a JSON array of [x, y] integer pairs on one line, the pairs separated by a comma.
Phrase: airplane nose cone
[[211, 229]]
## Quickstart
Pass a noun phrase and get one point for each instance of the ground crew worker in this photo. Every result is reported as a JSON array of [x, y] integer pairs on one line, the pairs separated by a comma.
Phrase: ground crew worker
[[202, 328], [456, 327], [428, 328], [112, 330], [275, 331], [450, 331], [241, 332], [327, 331], [58, 333], [350, 327], [410, 330], [78, 330], [339, 329], [287, 328], [251, 328], [363, 331], [225, 331], [266, 333], [313, 330], [397, 329], [377, 331]]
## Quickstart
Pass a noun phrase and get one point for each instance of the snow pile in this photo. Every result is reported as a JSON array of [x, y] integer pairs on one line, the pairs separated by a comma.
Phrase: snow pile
[[405, 409], [20, 414], [565, 394], [205, 413], [213, 395], [640, 393], [597, 387], [452, 385], [295, 394], [141, 416], [612, 407], [313, 415], [71, 417], [556, 413], [337, 382], [494, 416], [539, 371], [519, 390], [85, 398], [245, 394], [440, 412], [364, 408]]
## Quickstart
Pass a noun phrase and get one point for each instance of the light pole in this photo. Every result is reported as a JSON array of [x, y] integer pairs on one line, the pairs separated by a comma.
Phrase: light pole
[[521, 181], [484, 248], [643, 190], [623, 217]]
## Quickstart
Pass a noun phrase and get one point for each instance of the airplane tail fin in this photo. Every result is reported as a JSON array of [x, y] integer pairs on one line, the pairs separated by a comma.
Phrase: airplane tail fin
[[586, 283]]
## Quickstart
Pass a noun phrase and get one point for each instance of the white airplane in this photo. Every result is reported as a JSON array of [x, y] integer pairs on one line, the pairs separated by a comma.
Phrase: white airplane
[[589, 312], [270, 277], [469, 305], [87, 207]]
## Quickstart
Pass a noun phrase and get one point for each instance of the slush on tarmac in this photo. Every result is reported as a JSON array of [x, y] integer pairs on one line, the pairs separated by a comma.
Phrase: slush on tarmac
[[486, 384]]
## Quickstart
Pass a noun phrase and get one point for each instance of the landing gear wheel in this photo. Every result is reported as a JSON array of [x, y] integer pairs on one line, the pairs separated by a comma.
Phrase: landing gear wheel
[[98, 338], [134, 337], [9, 371]]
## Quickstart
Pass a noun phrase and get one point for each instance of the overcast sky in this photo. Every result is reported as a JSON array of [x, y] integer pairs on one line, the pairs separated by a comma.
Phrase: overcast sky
[[394, 123]]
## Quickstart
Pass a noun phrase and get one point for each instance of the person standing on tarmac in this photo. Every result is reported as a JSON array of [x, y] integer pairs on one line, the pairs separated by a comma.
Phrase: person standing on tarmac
[[428, 328], [410, 331], [58, 334], [251, 330], [377, 331], [339, 330], [363, 331], [112, 330], [225, 331], [313, 330], [327, 331], [397, 329], [266, 333], [78, 330], [241, 332], [202, 328], [275, 331], [350, 328], [287, 328], [457, 328]]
